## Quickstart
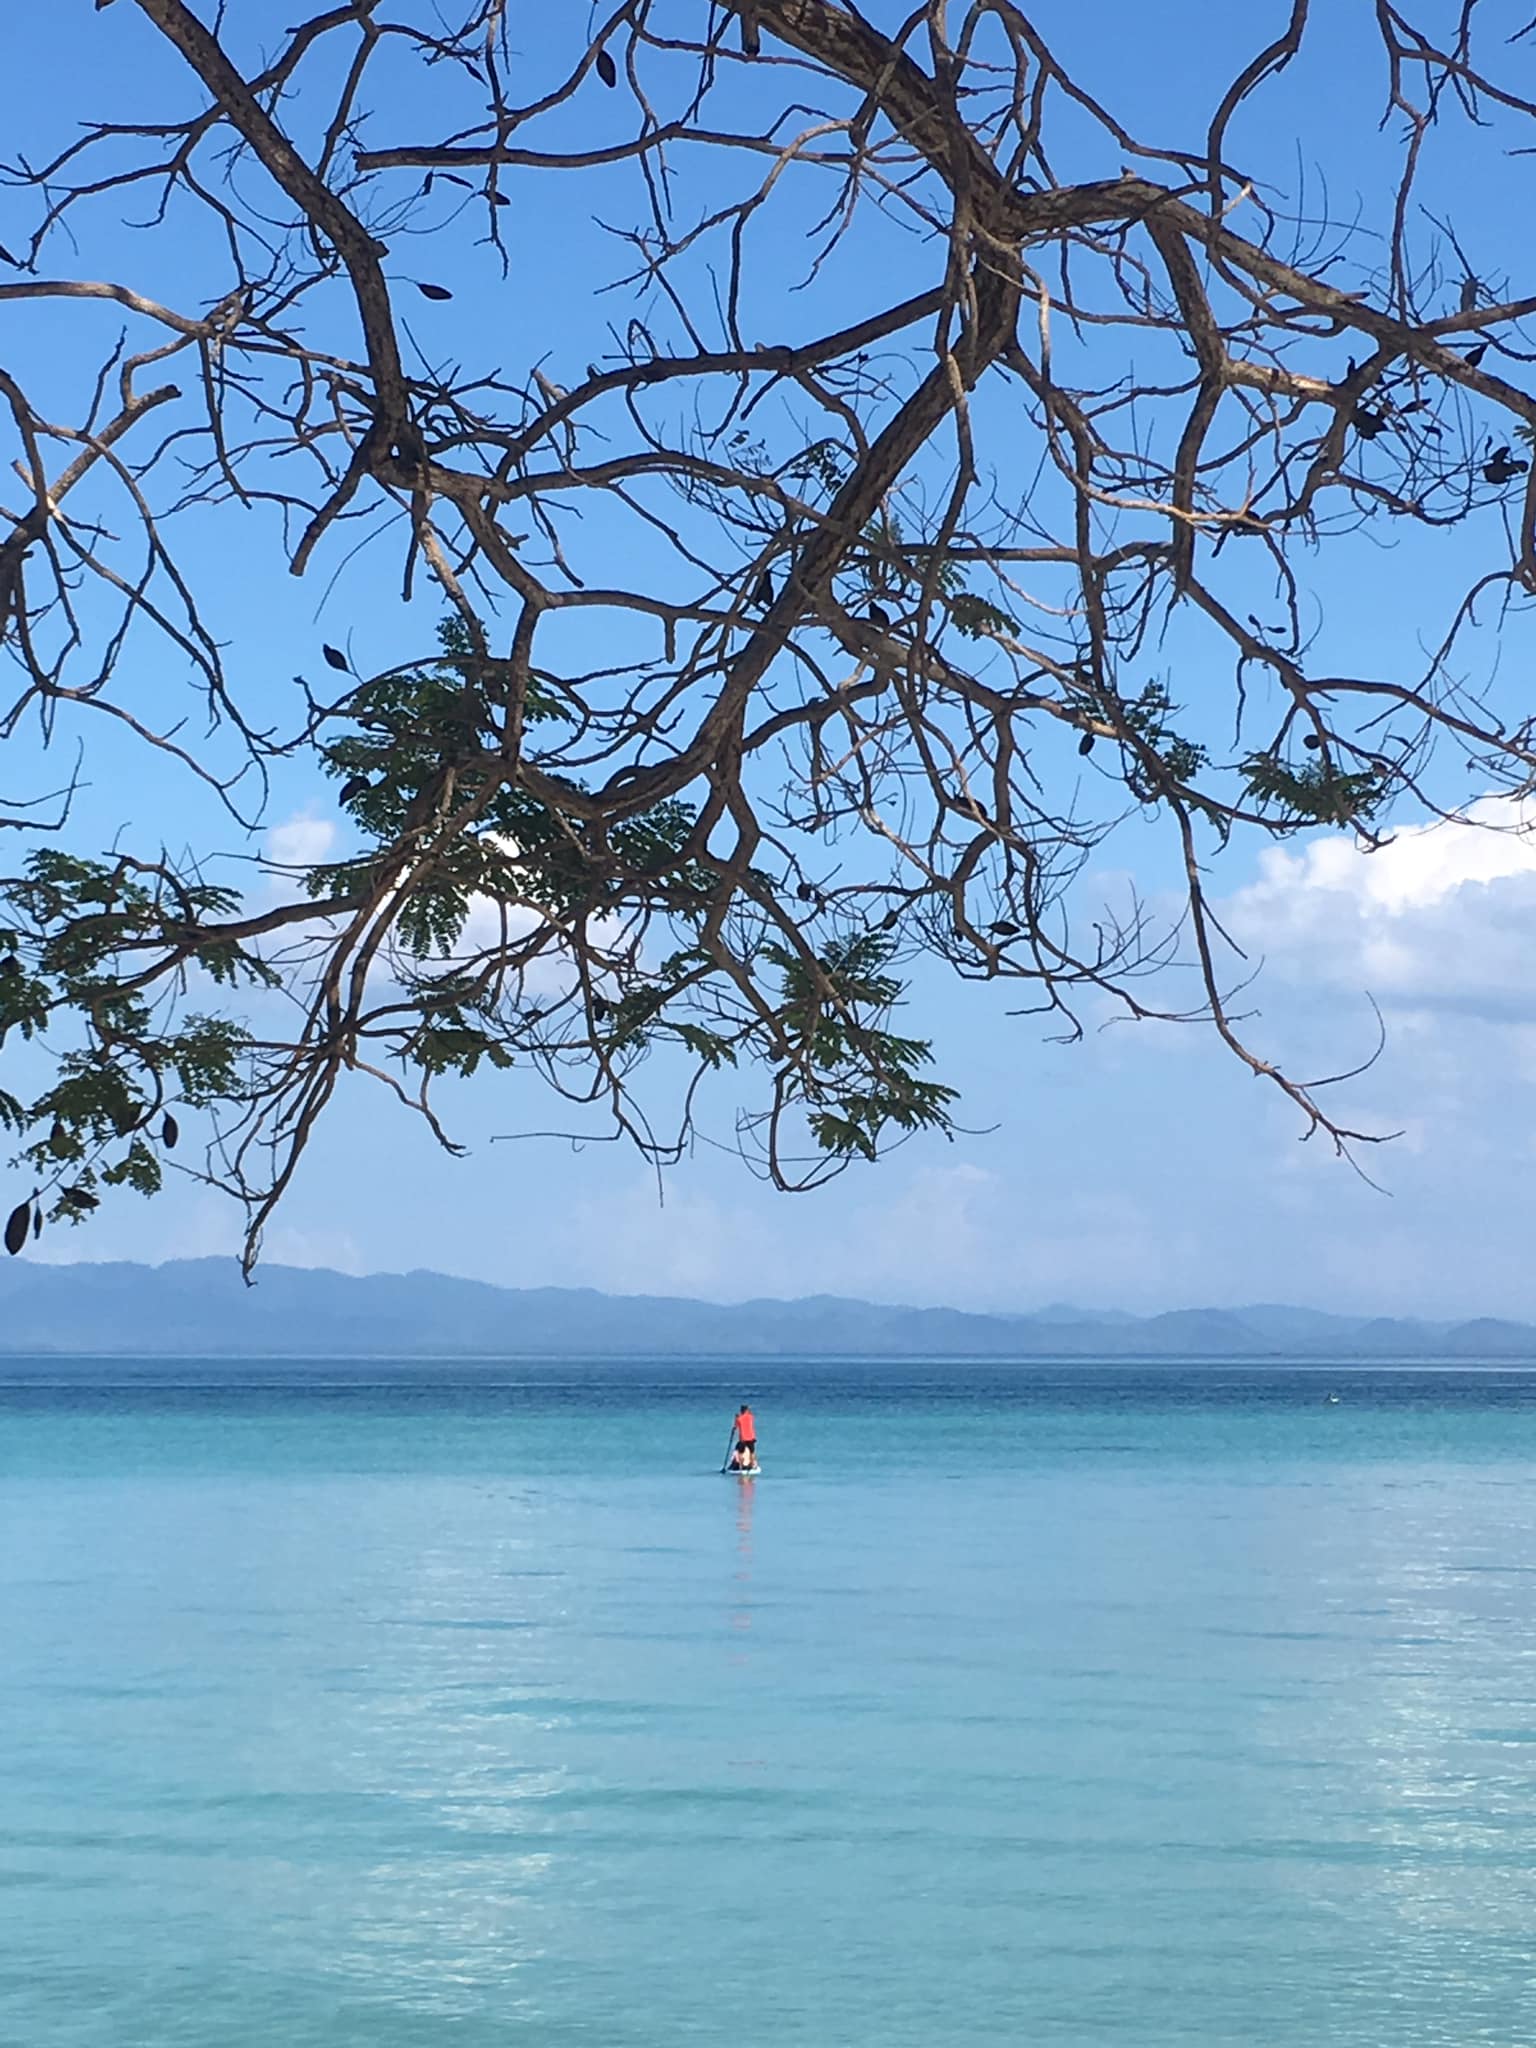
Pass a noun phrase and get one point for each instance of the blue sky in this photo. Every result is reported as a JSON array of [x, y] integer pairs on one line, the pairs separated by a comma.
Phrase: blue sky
[[1140, 1169]]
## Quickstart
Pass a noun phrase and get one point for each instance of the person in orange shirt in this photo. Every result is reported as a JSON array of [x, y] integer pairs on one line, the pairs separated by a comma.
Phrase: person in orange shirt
[[746, 1439]]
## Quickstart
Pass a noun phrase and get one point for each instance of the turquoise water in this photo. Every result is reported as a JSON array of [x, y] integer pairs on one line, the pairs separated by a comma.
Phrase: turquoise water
[[1067, 1707]]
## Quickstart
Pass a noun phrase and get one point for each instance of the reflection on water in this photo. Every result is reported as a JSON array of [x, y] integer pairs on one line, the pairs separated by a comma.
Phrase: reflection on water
[[741, 1614]]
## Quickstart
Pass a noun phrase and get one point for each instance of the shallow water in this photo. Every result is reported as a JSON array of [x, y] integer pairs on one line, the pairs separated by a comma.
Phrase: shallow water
[[1063, 1705]]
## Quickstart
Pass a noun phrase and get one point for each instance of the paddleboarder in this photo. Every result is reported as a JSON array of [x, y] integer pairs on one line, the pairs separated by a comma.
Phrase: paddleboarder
[[745, 1427]]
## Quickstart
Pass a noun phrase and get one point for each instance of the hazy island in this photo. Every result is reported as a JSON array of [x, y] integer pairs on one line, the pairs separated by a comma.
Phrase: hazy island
[[201, 1308]]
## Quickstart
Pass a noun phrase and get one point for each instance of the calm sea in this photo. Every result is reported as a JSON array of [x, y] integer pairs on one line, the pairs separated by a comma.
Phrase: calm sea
[[1059, 1705]]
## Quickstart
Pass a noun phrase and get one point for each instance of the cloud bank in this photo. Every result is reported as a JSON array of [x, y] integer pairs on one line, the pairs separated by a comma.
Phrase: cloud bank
[[1441, 918]]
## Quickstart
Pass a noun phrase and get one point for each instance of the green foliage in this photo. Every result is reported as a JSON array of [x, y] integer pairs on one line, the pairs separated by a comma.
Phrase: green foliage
[[976, 618], [824, 464], [425, 758], [78, 938], [454, 1042], [80, 934], [711, 1047], [431, 761], [890, 568], [1149, 716], [1315, 794], [425, 747], [138, 1168], [107, 1092], [856, 1079]]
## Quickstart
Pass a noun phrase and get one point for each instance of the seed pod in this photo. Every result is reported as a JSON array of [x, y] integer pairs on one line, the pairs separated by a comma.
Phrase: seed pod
[[170, 1131], [17, 1224], [606, 69], [1085, 744], [336, 658], [37, 1223], [58, 1138]]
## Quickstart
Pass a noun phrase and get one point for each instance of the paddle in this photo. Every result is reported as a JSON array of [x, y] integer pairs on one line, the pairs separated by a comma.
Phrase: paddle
[[729, 1446]]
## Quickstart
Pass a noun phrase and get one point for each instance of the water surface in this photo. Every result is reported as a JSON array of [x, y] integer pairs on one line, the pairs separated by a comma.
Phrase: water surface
[[1052, 1704]]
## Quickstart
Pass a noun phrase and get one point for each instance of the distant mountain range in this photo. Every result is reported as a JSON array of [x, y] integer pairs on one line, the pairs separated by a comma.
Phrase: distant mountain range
[[200, 1308]]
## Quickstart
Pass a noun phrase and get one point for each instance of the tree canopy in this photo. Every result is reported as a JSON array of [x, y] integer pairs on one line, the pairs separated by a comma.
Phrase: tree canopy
[[940, 478]]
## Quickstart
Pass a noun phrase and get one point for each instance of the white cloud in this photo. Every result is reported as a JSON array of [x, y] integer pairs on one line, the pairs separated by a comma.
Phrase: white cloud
[[552, 972], [1441, 917], [1422, 864], [300, 842]]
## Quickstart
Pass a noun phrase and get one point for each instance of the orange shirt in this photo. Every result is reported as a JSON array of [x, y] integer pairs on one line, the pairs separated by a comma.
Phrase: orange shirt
[[746, 1428]]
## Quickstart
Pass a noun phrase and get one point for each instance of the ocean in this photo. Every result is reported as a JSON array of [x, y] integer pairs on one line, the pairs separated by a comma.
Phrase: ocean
[[406, 1706]]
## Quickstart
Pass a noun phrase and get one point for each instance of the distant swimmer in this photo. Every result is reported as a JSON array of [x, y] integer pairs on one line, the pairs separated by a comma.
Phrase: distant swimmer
[[1333, 1400]]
